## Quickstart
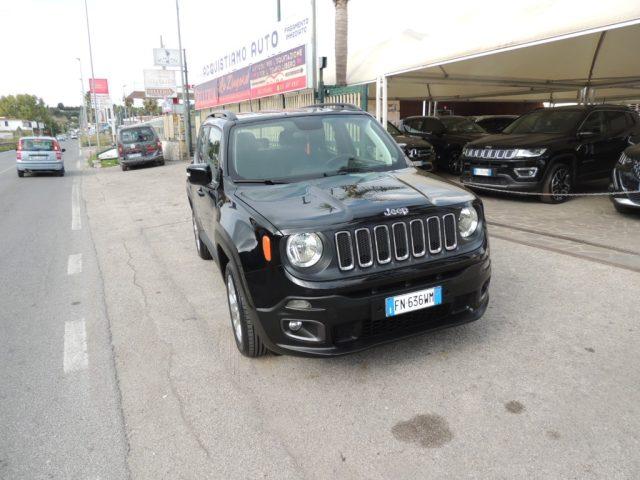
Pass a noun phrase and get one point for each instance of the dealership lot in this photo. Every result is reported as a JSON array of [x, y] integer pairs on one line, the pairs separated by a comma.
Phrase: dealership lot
[[543, 385]]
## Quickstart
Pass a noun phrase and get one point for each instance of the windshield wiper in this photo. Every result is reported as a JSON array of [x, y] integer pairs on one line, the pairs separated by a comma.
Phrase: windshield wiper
[[261, 182]]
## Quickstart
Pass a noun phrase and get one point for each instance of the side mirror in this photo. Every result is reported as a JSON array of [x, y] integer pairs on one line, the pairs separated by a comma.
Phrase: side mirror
[[199, 174], [587, 134]]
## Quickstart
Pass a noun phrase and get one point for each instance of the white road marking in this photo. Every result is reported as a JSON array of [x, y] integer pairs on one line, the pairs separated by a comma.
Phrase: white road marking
[[74, 265], [75, 346], [79, 164], [7, 169], [76, 220]]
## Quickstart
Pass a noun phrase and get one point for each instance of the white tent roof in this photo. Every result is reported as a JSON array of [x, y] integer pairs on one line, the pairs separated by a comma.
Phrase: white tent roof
[[525, 50]]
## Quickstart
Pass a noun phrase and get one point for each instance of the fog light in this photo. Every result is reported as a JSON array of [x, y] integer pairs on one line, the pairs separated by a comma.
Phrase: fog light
[[526, 172], [298, 305], [295, 325]]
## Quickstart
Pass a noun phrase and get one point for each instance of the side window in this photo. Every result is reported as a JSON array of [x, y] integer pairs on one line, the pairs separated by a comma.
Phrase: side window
[[595, 122], [432, 125], [617, 122], [414, 125], [200, 147], [212, 148]]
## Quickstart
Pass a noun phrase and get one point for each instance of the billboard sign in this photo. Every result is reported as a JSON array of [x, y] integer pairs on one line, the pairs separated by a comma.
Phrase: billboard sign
[[99, 85], [160, 83], [276, 60], [166, 57], [281, 73], [103, 101]]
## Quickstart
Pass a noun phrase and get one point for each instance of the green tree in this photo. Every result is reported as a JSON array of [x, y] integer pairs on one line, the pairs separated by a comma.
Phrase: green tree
[[150, 106]]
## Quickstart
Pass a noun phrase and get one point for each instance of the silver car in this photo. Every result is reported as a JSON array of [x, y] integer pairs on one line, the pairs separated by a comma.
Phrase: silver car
[[39, 154]]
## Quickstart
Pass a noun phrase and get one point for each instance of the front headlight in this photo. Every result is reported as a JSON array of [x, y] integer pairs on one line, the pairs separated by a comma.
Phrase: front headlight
[[529, 152], [304, 249], [467, 221]]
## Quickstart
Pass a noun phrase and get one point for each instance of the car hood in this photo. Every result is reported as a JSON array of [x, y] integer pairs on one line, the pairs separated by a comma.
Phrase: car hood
[[519, 140], [343, 199], [412, 142]]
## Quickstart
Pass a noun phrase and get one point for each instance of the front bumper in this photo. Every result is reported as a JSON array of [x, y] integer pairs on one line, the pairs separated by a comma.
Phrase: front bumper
[[620, 196], [504, 177], [40, 166], [350, 319]]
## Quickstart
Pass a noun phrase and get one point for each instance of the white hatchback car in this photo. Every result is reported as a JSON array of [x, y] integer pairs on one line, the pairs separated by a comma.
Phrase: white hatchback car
[[39, 154]]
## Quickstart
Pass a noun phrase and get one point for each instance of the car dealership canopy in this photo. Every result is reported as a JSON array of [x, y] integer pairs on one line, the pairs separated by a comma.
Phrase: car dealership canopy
[[494, 50]]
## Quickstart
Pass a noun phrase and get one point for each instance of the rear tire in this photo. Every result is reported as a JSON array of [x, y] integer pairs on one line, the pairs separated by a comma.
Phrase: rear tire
[[124, 167], [61, 173], [160, 163], [20, 173], [557, 183], [201, 248], [247, 339]]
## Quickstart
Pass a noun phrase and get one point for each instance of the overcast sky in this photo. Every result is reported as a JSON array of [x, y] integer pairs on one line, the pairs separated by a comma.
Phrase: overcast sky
[[42, 38]]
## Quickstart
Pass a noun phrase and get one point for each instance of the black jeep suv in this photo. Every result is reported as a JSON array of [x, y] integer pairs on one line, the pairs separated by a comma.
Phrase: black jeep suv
[[447, 134], [550, 150], [328, 241]]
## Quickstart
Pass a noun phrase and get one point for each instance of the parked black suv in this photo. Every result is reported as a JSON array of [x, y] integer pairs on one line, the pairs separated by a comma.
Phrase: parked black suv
[[418, 150], [448, 135], [328, 241], [626, 178], [550, 150], [494, 123]]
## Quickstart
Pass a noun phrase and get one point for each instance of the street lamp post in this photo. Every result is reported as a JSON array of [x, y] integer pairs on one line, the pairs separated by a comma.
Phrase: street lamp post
[[95, 104], [185, 89], [84, 104], [124, 103]]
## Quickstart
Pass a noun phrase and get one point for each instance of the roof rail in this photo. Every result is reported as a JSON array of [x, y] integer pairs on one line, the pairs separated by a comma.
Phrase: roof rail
[[223, 114], [336, 106]]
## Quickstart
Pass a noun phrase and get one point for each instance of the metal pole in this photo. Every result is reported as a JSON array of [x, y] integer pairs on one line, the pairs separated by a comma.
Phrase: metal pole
[[188, 104], [95, 103], [185, 91], [279, 8], [314, 50], [84, 103]]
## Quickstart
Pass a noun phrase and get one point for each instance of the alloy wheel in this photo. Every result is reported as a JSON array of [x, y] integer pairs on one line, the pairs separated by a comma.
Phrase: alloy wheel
[[234, 308], [561, 183]]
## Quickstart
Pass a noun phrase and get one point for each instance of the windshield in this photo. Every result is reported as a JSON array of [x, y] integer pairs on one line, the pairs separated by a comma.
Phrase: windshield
[[143, 134], [37, 144], [461, 125], [310, 147], [546, 121], [393, 130]]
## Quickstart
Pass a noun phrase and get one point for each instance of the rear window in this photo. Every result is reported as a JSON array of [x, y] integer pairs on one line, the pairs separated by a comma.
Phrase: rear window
[[37, 144], [142, 134]]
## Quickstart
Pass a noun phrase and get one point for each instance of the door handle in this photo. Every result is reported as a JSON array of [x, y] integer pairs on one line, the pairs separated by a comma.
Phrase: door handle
[[200, 192]]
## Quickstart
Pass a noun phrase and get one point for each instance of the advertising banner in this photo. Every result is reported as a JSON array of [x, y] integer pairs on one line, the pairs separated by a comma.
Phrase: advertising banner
[[99, 85], [284, 72], [160, 83], [166, 57]]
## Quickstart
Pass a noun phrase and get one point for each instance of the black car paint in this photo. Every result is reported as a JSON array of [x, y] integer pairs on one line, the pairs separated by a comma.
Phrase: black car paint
[[233, 217], [447, 145], [495, 123], [625, 178], [416, 148], [588, 157]]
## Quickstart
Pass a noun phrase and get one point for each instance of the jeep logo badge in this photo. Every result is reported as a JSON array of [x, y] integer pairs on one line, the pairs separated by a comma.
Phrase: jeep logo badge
[[392, 212]]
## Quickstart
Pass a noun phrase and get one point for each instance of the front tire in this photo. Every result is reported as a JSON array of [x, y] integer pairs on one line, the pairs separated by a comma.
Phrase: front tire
[[557, 184], [201, 248], [455, 164], [247, 339]]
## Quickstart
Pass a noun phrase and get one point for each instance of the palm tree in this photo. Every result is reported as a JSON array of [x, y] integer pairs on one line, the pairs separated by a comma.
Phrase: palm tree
[[342, 29]]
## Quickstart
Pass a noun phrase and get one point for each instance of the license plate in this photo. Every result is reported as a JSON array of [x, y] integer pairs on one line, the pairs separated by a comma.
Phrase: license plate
[[410, 302], [135, 155], [483, 172]]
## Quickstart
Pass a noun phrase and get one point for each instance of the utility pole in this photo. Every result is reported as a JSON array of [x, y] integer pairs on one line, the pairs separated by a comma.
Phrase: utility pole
[[185, 89], [84, 103], [95, 103]]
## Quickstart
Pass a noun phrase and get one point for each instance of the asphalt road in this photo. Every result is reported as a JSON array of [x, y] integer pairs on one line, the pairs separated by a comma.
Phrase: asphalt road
[[59, 406], [545, 385]]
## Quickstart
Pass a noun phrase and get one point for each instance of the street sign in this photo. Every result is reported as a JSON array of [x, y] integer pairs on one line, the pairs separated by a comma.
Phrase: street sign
[[102, 101], [166, 57], [160, 83]]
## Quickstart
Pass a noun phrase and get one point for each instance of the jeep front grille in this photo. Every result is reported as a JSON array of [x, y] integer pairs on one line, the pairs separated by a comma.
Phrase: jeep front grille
[[489, 153], [397, 241]]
